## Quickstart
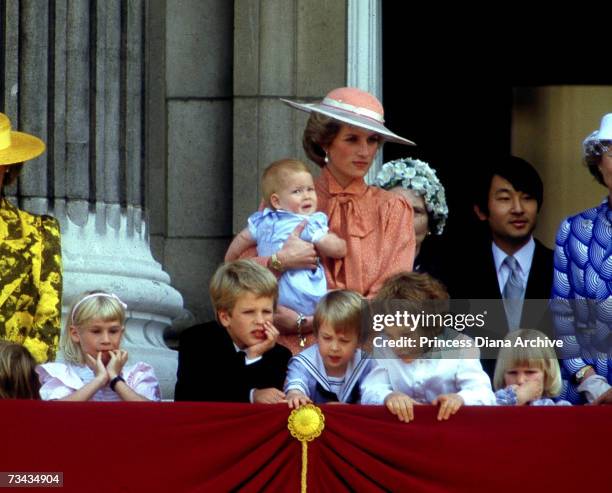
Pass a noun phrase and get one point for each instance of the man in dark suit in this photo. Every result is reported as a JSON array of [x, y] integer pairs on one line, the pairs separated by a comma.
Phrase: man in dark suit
[[510, 263]]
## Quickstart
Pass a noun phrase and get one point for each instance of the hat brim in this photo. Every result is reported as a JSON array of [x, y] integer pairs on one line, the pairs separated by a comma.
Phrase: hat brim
[[23, 148], [350, 119]]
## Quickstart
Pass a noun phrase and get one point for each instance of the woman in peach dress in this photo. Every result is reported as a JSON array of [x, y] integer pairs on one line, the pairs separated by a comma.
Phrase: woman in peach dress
[[343, 134]]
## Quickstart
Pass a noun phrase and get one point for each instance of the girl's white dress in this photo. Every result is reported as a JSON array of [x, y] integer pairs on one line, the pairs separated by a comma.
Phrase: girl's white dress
[[59, 380]]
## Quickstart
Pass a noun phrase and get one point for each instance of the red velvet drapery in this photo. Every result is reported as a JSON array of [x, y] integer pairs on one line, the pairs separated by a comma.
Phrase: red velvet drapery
[[192, 447]]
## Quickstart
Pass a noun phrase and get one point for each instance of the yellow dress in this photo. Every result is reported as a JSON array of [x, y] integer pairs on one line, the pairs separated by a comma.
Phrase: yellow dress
[[30, 280]]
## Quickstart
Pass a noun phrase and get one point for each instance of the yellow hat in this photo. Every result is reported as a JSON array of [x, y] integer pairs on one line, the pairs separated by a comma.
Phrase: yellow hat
[[17, 147]]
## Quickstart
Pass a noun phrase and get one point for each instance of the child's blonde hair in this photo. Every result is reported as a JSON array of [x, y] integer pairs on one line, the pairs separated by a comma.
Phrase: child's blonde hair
[[342, 310], [233, 279], [18, 379], [542, 358], [87, 307], [275, 174]]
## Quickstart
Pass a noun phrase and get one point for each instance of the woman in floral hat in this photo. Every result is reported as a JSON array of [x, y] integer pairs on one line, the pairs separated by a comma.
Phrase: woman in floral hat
[[343, 134], [30, 258], [417, 182], [582, 285]]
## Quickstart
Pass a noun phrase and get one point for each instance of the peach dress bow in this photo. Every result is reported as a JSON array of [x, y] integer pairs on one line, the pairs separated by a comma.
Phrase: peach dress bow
[[377, 226]]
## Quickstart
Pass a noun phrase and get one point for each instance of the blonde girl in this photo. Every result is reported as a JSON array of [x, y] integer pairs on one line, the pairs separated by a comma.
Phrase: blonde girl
[[527, 371], [94, 365]]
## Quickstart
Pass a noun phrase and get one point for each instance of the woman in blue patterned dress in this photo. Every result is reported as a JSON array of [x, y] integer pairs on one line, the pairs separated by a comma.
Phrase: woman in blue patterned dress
[[582, 285]]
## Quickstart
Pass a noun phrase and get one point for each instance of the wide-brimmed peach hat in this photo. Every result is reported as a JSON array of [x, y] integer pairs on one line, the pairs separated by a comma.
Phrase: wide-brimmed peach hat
[[17, 147], [354, 107]]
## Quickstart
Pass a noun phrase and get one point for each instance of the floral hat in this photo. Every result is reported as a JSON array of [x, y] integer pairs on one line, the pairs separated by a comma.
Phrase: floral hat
[[595, 143], [354, 107], [417, 175]]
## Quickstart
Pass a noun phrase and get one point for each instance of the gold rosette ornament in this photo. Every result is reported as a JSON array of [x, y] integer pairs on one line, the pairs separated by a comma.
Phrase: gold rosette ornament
[[306, 424]]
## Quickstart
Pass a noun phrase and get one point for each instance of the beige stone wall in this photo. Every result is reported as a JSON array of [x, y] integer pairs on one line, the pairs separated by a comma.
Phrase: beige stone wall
[[189, 132], [293, 49], [216, 70], [549, 124]]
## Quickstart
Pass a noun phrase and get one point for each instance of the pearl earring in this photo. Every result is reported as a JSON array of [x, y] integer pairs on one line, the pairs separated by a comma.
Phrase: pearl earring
[[326, 158]]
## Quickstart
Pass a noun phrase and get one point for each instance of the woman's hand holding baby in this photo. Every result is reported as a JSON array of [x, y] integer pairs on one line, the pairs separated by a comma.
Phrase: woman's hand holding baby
[[297, 253]]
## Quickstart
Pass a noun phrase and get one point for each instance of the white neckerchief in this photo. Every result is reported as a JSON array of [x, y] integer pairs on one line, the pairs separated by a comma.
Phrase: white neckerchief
[[311, 359]]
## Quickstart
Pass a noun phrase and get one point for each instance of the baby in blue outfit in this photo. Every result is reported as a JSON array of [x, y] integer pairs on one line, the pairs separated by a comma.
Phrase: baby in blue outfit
[[291, 200]]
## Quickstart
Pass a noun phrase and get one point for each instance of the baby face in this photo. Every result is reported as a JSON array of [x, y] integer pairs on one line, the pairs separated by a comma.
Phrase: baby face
[[297, 194]]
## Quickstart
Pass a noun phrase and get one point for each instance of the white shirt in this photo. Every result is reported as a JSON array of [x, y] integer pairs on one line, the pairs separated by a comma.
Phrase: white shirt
[[524, 257], [425, 379], [247, 362]]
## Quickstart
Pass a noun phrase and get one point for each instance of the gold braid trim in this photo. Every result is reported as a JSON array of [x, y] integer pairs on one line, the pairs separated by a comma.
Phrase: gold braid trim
[[306, 424]]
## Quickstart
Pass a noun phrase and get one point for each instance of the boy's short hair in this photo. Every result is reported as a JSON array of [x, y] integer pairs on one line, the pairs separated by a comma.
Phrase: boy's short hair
[[521, 175], [233, 279], [342, 310], [275, 174], [543, 358]]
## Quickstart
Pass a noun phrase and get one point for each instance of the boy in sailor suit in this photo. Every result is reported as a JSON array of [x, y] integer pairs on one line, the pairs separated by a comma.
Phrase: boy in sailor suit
[[333, 368]]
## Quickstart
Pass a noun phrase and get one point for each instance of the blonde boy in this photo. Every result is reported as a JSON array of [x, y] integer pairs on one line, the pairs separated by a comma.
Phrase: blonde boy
[[235, 358], [332, 369]]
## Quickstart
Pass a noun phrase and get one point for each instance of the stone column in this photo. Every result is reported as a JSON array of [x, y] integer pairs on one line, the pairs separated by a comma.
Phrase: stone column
[[293, 49], [73, 74], [189, 135], [364, 55]]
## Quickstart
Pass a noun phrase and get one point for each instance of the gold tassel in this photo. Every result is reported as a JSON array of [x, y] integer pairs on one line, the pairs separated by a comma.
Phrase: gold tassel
[[306, 424]]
